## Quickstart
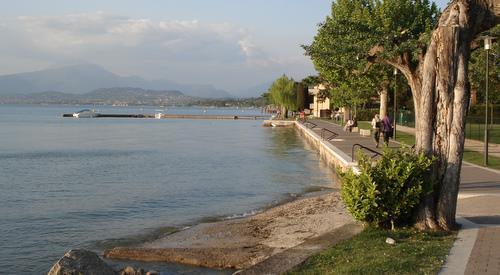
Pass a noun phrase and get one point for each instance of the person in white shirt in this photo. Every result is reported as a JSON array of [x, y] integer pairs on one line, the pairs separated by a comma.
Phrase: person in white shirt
[[376, 129]]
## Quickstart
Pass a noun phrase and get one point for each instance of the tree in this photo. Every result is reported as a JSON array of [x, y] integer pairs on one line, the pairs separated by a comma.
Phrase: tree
[[303, 97], [301, 91], [340, 49], [284, 94], [444, 78], [350, 96], [266, 97], [311, 80], [477, 68], [399, 33]]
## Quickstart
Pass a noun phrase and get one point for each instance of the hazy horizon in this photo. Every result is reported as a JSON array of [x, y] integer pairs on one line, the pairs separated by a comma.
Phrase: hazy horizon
[[232, 45]]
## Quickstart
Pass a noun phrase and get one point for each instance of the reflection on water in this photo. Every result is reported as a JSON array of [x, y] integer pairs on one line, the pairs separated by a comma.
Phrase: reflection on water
[[94, 183]]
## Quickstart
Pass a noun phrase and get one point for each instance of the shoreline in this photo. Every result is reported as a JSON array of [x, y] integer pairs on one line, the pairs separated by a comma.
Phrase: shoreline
[[153, 234], [248, 242], [243, 242]]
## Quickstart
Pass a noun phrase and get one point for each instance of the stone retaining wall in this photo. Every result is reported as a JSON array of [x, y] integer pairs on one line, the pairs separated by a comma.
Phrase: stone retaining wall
[[336, 158]]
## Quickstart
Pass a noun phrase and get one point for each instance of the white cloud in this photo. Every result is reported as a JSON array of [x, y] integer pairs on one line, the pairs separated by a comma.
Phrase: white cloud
[[81, 34], [175, 49], [255, 55]]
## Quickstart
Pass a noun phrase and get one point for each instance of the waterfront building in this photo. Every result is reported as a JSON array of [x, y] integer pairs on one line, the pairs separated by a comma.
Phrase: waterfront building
[[321, 103]]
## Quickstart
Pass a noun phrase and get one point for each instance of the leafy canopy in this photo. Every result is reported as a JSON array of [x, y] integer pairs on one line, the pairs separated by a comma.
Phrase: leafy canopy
[[284, 93], [477, 69], [359, 33]]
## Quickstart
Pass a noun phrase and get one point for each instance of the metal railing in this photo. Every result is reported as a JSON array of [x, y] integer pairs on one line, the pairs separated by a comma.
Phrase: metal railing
[[330, 134], [326, 134], [375, 153], [309, 124]]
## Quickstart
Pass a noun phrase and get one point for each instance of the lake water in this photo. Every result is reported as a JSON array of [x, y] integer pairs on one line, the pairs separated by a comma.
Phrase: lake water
[[97, 183]]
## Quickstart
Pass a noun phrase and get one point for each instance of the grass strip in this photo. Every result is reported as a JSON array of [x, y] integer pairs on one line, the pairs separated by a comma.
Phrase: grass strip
[[415, 252], [478, 159], [469, 156]]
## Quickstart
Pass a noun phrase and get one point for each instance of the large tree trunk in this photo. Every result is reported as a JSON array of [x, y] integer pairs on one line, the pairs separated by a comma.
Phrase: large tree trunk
[[444, 99], [384, 98], [284, 112]]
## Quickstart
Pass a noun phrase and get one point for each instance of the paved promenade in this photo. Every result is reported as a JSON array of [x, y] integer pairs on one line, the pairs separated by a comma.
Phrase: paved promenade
[[477, 248]]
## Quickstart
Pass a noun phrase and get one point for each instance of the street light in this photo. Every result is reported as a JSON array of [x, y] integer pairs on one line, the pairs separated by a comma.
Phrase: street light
[[394, 116], [487, 47]]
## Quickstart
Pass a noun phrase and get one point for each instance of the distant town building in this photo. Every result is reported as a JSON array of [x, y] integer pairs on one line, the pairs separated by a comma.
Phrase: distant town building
[[321, 103]]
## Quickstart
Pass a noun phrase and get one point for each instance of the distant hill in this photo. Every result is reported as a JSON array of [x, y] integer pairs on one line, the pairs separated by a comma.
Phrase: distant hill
[[107, 96], [83, 78], [125, 93]]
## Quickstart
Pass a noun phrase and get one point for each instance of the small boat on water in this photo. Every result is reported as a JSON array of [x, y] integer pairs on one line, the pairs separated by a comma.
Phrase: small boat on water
[[85, 113]]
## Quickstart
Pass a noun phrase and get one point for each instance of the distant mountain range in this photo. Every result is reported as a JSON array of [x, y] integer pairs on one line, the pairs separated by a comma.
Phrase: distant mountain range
[[85, 78], [105, 96]]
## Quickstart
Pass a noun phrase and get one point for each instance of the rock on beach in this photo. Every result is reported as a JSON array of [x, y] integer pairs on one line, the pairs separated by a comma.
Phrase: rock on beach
[[79, 261]]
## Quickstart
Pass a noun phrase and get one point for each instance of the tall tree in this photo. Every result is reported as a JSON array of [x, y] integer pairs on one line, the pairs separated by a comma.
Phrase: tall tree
[[445, 94], [284, 94], [399, 33], [301, 91]]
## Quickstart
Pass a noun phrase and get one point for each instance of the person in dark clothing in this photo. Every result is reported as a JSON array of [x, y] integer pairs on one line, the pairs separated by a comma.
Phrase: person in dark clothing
[[386, 129]]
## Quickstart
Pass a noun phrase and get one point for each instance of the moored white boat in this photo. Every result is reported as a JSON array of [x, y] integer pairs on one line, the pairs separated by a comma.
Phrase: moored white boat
[[85, 113]]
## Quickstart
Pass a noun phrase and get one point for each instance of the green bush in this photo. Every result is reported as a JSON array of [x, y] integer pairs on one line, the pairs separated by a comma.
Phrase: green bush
[[386, 191]]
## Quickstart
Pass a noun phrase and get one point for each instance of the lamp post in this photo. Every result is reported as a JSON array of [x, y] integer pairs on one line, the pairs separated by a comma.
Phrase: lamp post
[[487, 47], [394, 115]]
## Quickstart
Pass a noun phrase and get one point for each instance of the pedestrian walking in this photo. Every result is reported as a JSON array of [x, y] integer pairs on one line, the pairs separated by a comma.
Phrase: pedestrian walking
[[386, 128], [376, 122]]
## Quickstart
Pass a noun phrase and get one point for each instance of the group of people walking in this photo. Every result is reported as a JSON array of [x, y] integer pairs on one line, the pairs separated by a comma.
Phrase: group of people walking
[[383, 126]]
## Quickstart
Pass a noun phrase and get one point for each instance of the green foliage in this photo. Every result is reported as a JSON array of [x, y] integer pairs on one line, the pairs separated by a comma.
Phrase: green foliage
[[342, 49], [387, 191], [350, 95], [476, 112], [284, 93], [311, 80], [302, 93], [230, 102], [402, 26], [366, 114], [477, 69], [266, 98]]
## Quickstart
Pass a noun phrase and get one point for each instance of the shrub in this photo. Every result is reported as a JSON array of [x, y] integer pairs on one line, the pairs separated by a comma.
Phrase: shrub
[[386, 191]]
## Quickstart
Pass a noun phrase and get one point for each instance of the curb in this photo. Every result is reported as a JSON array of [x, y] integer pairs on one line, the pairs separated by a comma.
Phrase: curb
[[457, 260]]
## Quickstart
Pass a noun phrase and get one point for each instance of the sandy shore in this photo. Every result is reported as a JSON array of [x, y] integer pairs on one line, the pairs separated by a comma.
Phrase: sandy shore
[[242, 243]]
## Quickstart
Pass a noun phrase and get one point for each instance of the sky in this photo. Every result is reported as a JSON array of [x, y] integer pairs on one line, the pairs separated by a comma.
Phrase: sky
[[230, 44]]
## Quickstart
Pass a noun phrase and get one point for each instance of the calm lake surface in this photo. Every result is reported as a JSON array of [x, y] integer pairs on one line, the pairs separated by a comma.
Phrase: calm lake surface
[[97, 183]]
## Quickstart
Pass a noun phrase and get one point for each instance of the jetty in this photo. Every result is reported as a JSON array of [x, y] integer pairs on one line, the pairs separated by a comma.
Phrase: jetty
[[176, 116]]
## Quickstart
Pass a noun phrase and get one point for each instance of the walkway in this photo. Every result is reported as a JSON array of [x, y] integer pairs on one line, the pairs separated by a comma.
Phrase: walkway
[[345, 140], [477, 248]]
